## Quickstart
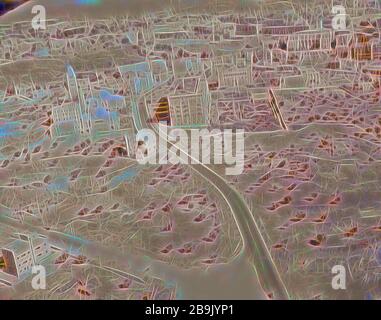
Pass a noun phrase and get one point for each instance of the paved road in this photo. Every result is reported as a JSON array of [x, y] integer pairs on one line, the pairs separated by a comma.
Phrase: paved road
[[254, 245]]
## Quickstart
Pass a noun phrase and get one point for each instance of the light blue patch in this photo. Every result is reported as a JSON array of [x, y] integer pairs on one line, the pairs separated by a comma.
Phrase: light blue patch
[[138, 84], [39, 94], [70, 71], [124, 177], [189, 42], [9, 129], [189, 64], [75, 238], [179, 294], [41, 53], [59, 184], [108, 96], [136, 67], [102, 113], [88, 2], [132, 36], [114, 115]]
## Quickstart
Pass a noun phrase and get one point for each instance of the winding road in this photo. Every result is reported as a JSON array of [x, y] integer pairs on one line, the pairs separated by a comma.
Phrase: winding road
[[254, 246]]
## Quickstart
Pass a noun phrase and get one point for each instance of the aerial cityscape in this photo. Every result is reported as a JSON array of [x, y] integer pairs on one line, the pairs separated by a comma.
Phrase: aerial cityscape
[[190, 150]]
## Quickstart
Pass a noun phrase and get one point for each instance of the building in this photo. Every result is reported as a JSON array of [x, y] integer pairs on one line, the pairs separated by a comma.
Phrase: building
[[186, 110], [143, 76], [236, 77], [66, 120], [246, 30], [311, 40], [191, 108], [20, 255]]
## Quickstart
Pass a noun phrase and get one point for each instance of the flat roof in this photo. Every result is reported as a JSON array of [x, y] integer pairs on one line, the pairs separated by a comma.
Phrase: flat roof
[[17, 246]]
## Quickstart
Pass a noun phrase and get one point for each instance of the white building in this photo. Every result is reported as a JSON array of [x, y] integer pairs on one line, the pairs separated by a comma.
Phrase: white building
[[22, 254]]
